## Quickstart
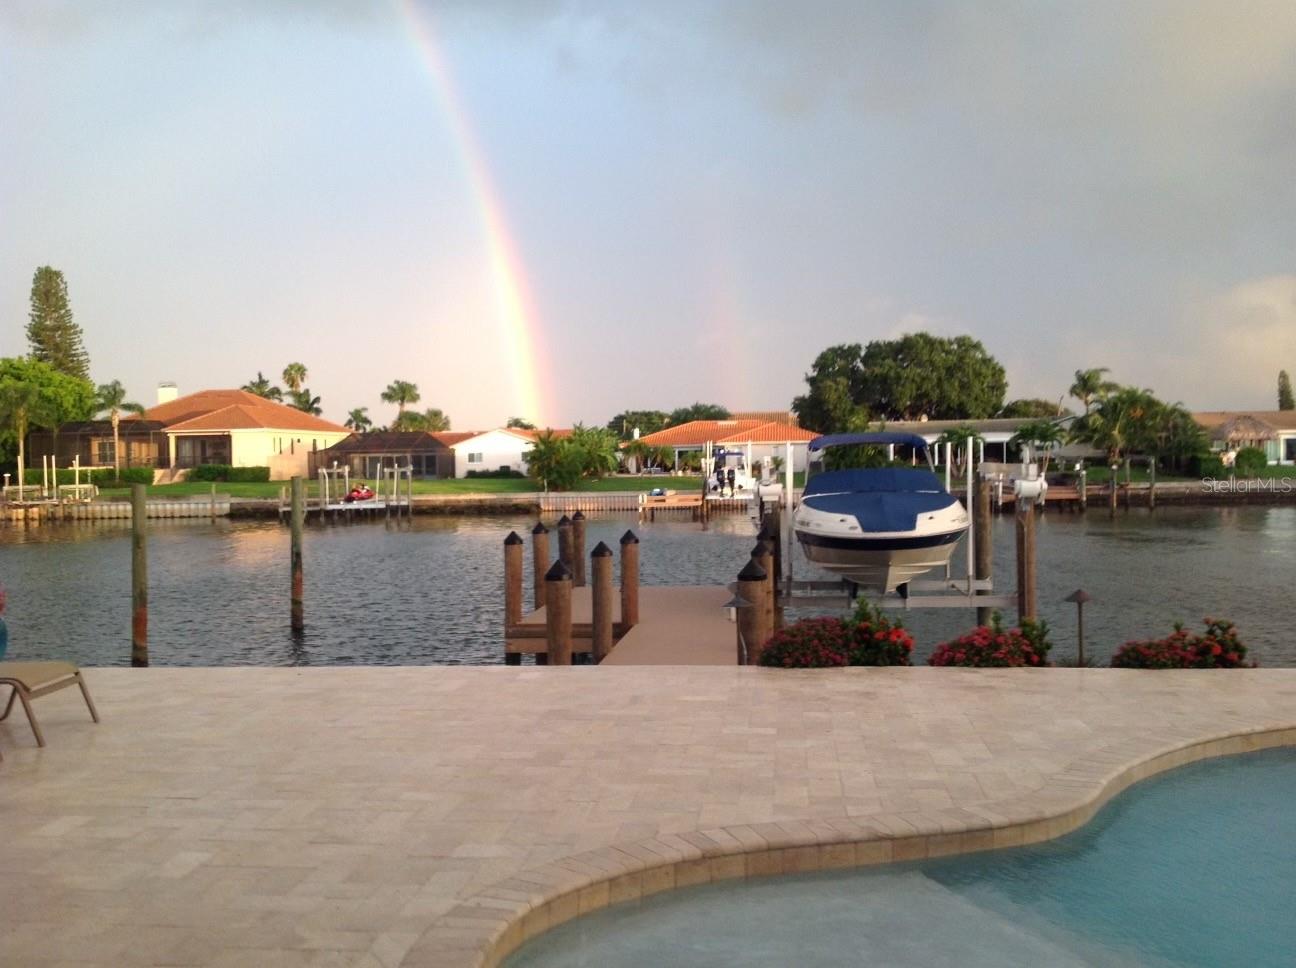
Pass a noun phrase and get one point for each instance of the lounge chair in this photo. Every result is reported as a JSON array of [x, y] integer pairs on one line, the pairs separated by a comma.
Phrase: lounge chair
[[30, 680]]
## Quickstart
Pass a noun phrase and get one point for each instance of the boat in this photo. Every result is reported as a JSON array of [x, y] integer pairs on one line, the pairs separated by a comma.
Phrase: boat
[[878, 527]]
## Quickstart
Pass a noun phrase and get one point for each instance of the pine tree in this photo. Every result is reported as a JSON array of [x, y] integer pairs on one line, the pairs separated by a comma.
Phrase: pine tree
[[54, 336], [1285, 399]]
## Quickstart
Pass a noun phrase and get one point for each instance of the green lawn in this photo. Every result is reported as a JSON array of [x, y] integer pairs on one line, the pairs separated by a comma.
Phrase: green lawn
[[472, 485]]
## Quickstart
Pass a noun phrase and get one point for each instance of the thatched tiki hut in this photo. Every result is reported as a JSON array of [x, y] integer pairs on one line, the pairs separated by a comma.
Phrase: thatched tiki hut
[[1243, 430]]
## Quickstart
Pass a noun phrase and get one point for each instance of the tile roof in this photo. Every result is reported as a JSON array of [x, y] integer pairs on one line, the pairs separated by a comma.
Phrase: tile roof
[[695, 433], [216, 410], [518, 432], [390, 442]]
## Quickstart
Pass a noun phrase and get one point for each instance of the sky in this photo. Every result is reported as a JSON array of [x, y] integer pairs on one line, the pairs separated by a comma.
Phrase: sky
[[562, 210]]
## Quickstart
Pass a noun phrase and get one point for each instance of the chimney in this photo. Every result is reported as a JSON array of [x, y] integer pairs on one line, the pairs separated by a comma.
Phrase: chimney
[[166, 392]]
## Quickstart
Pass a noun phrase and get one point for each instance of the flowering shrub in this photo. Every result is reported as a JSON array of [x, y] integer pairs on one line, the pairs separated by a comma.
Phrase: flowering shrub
[[1217, 648], [993, 646], [866, 638]]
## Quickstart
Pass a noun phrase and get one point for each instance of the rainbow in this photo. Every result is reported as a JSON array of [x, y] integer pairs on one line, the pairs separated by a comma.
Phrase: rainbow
[[518, 319]]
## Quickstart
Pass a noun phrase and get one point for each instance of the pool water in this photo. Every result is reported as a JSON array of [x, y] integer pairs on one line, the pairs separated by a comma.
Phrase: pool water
[[1193, 868]]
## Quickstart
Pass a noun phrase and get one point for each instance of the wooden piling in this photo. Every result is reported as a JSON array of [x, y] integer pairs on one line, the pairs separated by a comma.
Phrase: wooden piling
[[578, 550], [772, 531], [512, 579], [983, 534], [139, 577], [1026, 602], [565, 543], [1152, 484], [558, 615], [752, 588], [539, 561], [763, 555], [1083, 489], [298, 521], [629, 581], [601, 576]]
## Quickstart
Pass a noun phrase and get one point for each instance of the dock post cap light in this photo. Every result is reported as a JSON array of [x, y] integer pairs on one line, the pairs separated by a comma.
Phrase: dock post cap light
[[752, 572], [578, 516], [564, 521], [513, 539], [601, 551], [1079, 596], [559, 572], [629, 538], [539, 528], [737, 601]]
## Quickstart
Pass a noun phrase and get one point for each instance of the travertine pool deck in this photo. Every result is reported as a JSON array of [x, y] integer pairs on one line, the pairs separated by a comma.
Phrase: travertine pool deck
[[438, 816]]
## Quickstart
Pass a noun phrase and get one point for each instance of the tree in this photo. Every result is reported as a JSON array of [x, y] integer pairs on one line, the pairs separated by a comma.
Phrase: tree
[[263, 388], [1285, 399], [646, 422], [520, 423], [833, 404], [402, 393], [436, 420], [303, 401], [1089, 386], [1034, 408], [20, 405], [112, 401], [294, 377], [914, 376], [54, 336], [358, 420], [551, 463], [697, 411], [1124, 422], [1039, 435]]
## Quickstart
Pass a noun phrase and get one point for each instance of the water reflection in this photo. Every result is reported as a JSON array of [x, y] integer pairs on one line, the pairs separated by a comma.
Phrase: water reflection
[[432, 594]]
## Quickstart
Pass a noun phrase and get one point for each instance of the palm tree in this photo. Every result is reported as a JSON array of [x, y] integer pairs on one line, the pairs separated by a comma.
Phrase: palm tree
[[402, 393], [111, 399], [263, 388], [1039, 435], [20, 404], [294, 377], [436, 419], [303, 401], [358, 420], [1090, 386]]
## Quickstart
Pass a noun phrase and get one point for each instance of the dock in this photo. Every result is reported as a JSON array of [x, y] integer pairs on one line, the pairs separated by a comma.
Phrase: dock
[[678, 625]]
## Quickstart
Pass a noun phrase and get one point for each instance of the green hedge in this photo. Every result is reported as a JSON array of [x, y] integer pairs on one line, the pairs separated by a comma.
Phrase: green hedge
[[224, 472], [1207, 466], [102, 477], [1250, 461], [502, 472]]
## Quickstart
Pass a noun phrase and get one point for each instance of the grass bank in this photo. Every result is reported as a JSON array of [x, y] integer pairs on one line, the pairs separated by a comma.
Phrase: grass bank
[[471, 485]]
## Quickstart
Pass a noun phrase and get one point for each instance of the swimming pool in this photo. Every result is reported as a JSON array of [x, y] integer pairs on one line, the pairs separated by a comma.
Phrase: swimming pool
[[1196, 867]]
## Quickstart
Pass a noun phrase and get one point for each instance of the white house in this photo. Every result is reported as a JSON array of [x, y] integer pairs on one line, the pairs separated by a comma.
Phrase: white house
[[494, 450]]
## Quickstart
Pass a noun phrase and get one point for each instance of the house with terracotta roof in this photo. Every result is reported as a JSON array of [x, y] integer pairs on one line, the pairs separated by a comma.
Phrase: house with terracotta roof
[[426, 453], [757, 439], [208, 427], [239, 428]]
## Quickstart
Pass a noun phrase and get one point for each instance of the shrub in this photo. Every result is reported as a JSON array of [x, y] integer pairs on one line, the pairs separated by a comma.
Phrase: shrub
[[866, 638], [992, 646], [502, 472], [129, 475], [224, 472], [877, 640], [1217, 648], [1250, 461], [1208, 465]]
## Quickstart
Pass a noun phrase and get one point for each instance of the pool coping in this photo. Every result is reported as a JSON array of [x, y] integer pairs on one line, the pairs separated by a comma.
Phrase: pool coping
[[490, 925]]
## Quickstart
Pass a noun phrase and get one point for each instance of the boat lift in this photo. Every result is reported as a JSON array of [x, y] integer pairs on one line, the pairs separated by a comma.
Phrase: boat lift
[[393, 492], [947, 592]]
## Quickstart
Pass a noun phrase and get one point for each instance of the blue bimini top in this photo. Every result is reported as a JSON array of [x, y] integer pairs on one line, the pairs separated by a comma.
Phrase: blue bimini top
[[886, 500]]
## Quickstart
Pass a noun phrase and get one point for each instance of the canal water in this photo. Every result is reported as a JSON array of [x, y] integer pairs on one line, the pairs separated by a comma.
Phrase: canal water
[[432, 594]]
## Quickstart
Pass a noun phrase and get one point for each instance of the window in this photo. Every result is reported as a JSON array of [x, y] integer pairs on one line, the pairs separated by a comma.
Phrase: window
[[1289, 448], [103, 452], [474, 458]]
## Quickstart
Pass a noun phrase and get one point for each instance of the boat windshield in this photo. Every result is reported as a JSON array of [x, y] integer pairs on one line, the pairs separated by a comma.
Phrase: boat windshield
[[867, 480]]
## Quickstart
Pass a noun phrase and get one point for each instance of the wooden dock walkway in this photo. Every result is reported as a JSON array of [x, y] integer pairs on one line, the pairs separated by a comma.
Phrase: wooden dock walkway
[[678, 625]]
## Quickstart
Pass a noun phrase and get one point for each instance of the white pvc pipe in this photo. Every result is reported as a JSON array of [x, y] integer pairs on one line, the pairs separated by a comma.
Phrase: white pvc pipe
[[971, 542]]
